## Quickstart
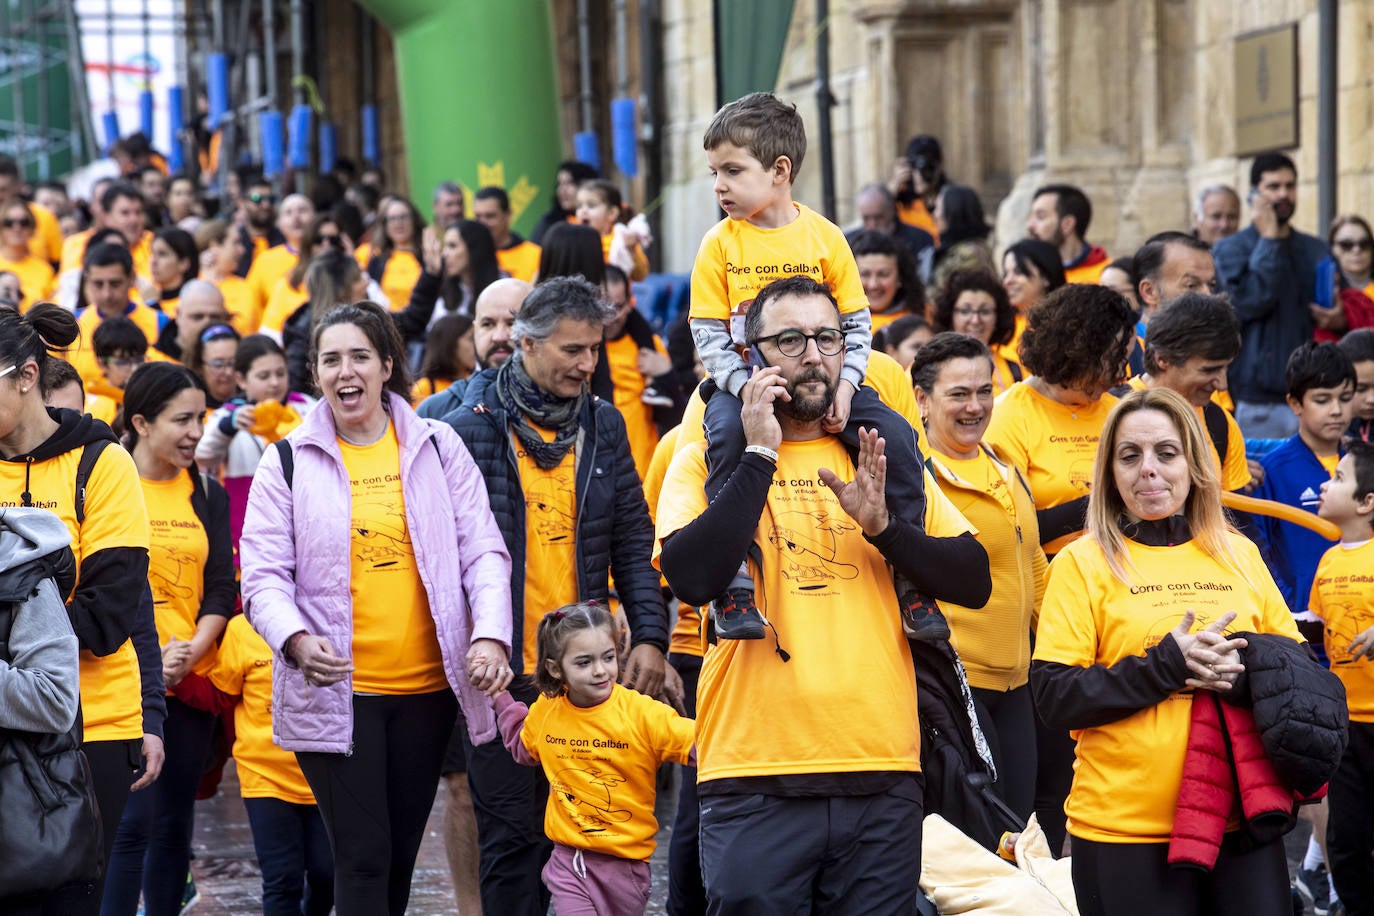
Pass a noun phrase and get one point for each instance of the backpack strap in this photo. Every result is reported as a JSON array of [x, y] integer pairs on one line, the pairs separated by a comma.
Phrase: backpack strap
[[288, 461], [90, 454], [1015, 369], [1214, 415]]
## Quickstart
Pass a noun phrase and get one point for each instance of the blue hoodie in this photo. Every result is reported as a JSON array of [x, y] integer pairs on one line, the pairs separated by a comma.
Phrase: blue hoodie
[[1293, 475]]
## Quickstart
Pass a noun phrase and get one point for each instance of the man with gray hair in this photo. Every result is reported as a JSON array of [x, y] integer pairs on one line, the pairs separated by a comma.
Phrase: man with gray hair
[[1216, 213], [448, 204], [877, 210], [564, 490]]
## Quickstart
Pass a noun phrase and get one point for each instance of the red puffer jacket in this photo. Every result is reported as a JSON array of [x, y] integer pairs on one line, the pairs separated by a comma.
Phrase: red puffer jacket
[[1226, 764]]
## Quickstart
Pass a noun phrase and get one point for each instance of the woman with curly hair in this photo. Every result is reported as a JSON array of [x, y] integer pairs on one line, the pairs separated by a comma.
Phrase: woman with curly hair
[[973, 302], [1048, 425]]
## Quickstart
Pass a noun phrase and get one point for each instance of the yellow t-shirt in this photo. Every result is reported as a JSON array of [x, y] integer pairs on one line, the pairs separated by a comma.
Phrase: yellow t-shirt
[[1002, 374], [399, 278], [177, 554], [239, 303], [82, 353], [269, 267], [1329, 462], [737, 259], [829, 593], [994, 641], [550, 539], [622, 359], [46, 243], [1054, 445], [520, 261], [395, 647], [602, 763], [243, 668], [282, 304], [686, 635], [36, 279], [917, 214], [1127, 773], [1343, 597], [424, 387], [111, 693], [641, 263], [102, 407]]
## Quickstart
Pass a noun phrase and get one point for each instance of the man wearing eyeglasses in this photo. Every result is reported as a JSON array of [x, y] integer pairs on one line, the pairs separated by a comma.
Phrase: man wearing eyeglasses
[[830, 801], [1269, 269], [202, 306]]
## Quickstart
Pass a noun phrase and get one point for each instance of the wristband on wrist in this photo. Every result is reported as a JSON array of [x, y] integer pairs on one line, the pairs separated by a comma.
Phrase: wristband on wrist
[[763, 450]]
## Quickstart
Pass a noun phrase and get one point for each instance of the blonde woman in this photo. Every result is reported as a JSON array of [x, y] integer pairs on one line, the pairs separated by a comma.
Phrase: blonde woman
[[1134, 621]]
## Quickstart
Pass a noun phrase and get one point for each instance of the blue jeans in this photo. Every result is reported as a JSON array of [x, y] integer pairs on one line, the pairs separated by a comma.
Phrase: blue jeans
[[293, 854], [152, 847]]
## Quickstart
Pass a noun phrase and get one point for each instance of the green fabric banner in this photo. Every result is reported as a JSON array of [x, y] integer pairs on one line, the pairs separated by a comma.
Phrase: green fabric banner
[[750, 37], [479, 96]]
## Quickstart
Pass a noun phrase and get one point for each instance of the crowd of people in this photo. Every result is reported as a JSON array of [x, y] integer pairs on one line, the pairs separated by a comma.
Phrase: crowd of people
[[544, 549]]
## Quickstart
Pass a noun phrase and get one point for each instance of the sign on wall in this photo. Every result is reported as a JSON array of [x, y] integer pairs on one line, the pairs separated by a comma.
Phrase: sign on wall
[[1267, 90]]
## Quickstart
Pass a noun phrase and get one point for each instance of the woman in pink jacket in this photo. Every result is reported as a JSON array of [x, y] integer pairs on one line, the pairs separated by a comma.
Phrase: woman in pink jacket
[[374, 568]]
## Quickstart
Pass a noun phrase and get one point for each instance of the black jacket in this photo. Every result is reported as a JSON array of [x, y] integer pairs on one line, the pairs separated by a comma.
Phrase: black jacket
[[1299, 708], [614, 532]]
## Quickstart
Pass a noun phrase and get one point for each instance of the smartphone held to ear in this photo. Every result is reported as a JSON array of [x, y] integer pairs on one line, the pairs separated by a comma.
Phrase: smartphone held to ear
[[756, 359]]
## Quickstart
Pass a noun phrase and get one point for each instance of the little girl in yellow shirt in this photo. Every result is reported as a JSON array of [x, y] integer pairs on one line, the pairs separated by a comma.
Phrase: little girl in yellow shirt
[[600, 745]]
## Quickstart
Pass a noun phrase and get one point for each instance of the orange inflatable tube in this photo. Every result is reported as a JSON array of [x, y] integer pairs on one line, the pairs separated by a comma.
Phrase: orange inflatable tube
[[1282, 511]]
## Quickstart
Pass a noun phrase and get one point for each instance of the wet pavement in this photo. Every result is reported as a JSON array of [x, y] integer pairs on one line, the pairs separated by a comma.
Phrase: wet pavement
[[227, 874], [230, 884]]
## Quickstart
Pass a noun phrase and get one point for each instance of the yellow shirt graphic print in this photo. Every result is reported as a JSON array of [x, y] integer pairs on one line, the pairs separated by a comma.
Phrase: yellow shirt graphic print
[[395, 648], [550, 538]]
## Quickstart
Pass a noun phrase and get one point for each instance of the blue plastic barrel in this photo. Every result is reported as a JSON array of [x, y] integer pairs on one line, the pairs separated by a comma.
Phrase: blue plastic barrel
[[587, 149], [329, 146], [298, 136], [217, 88], [110, 122], [372, 135], [176, 156], [271, 126], [624, 138]]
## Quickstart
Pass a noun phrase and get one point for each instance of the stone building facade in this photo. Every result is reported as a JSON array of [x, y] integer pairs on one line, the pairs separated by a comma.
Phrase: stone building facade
[[1133, 100]]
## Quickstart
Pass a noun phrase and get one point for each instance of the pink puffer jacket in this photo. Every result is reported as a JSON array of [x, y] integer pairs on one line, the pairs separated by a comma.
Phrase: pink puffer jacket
[[295, 561]]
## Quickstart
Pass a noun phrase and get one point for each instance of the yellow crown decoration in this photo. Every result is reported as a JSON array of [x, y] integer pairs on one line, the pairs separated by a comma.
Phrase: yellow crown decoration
[[488, 175], [521, 196]]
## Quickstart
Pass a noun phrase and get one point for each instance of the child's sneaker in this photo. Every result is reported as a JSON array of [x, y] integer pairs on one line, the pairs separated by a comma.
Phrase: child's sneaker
[[655, 398], [190, 896], [736, 617], [1315, 888], [921, 618]]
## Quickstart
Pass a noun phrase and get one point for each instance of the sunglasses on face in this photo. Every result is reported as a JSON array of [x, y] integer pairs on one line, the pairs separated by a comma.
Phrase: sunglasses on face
[[259, 198], [16, 224], [1342, 244], [331, 239]]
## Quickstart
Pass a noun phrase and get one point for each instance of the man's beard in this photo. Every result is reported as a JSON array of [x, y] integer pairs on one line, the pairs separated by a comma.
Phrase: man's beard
[[811, 408], [262, 224], [1283, 210]]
